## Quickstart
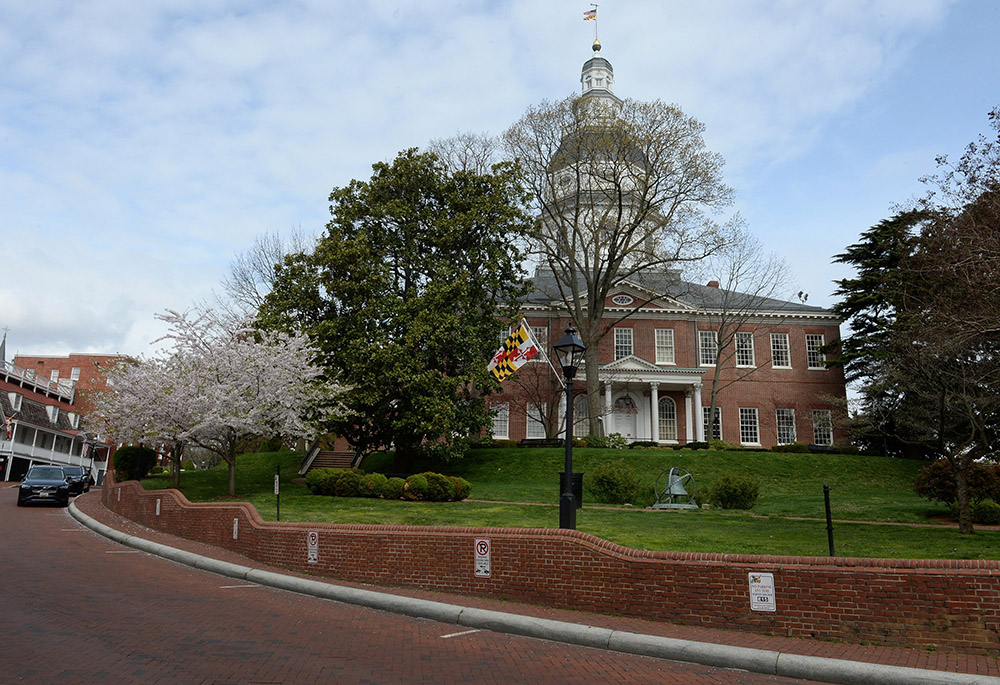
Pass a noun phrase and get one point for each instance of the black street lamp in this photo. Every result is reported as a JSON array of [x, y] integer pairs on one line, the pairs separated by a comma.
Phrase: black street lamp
[[569, 352]]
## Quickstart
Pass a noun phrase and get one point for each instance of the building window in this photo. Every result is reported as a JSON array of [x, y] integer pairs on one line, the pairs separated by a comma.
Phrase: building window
[[668, 419], [535, 426], [716, 432], [581, 416], [708, 348], [744, 349], [786, 426], [779, 351], [541, 336], [623, 342], [749, 428], [74, 374], [500, 421], [814, 343], [822, 427], [664, 345], [54, 375]]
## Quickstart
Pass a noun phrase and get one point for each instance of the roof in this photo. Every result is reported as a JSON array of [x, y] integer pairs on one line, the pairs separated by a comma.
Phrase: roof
[[668, 284]]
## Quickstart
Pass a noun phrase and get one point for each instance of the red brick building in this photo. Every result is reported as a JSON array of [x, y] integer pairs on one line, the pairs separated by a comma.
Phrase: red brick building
[[83, 373], [657, 367]]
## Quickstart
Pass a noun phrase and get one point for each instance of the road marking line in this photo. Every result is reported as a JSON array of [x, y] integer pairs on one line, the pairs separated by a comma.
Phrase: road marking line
[[230, 587], [122, 551], [466, 632]]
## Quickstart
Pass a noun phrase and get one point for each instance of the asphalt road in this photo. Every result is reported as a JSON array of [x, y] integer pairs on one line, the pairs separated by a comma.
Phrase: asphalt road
[[79, 608]]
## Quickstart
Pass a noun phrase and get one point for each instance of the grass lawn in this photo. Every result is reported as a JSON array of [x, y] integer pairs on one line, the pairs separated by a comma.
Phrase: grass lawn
[[521, 490]]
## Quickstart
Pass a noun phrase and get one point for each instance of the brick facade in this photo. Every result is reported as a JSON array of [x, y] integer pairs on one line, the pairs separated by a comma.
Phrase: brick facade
[[916, 603]]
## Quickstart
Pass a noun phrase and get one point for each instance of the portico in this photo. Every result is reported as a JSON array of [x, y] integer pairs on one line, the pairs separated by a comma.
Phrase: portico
[[641, 401]]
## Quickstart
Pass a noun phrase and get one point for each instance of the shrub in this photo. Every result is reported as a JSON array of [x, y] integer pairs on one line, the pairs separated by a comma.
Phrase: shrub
[[734, 492], [642, 444], [439, 488], [463, 488], [188, 465], [373, 485], [617, 441], [126, 458], [593, 441], [723, 446], [986, 513], [156, 470], [694, 446], [393, 488], [936, 482], [615, 483], [416, 487], [795, 447]]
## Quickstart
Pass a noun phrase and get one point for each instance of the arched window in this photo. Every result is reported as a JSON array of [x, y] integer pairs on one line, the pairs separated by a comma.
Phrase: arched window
[[668, 419]]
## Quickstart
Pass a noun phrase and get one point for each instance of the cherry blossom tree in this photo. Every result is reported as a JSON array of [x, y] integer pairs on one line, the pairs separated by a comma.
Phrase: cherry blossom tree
[[220, 386]]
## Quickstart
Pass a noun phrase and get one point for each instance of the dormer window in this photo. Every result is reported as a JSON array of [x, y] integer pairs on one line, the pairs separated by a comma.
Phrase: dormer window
[[15, 401], [74, 419], [53, 413]]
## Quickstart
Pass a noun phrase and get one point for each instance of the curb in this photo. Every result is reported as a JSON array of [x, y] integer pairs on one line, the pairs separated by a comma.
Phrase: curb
[[761, 661]]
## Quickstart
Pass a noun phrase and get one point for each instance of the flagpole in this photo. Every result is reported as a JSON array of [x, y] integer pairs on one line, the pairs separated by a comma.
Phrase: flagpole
[[595, 27], [547, 357]]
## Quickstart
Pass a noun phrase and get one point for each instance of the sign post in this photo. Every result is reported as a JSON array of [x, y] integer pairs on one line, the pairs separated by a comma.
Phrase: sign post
[[277, 490]]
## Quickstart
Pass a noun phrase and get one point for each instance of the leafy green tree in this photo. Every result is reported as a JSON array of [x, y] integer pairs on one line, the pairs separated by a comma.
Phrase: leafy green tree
[[406, 295], [925, 307]]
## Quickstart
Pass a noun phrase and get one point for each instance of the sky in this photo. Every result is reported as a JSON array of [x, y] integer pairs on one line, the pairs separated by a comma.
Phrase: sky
[[144, 145]]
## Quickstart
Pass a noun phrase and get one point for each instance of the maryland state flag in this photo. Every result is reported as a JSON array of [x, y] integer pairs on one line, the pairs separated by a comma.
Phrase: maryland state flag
[[518, 348]]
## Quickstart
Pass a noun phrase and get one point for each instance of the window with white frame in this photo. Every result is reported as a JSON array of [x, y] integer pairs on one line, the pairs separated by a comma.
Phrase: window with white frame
[[664, 345], [780, 357], [54, 375], [716, 432], [749, 426], [668, 419], [744, 349], [535, 426], [581, 416], [623, 342], [814, 343], [15, 401], [541, 336], [500, 421], [822, 427], [708, 348], [786, 426], [74, 374]]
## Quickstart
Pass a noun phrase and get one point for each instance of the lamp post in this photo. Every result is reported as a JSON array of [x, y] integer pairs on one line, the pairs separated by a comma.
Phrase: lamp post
[[569, 352]]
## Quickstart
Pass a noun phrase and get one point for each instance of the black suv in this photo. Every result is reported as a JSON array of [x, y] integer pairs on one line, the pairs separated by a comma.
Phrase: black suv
[[78, 479], [44, 484]]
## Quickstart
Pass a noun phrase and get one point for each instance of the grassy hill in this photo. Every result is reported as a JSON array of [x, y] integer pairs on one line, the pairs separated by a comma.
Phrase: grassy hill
[[520, 488]]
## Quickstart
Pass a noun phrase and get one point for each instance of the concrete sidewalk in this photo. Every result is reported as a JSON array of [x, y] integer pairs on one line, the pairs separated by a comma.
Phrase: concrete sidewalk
[[781, 656]]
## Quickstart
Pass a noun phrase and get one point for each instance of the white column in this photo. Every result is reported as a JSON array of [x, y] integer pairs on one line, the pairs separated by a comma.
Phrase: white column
[[654, 396], [609, 411], [688, 425], [699, 425]]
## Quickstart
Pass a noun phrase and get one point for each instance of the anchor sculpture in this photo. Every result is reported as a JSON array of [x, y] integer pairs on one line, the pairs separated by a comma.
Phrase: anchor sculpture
[[677, 491]]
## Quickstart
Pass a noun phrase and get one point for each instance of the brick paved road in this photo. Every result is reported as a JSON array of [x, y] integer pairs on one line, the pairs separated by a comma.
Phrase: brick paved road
[[78, 608]]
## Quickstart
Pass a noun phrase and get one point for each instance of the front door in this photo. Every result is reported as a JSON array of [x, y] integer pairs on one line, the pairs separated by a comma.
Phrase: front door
[[626, 413]]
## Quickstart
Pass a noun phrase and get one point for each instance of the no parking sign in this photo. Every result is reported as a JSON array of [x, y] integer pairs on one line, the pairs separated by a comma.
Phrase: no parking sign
[[312, 546], [482, 557]]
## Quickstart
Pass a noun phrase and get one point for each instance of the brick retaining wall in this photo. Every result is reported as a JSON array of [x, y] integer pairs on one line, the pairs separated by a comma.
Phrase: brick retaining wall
[[915, 603]]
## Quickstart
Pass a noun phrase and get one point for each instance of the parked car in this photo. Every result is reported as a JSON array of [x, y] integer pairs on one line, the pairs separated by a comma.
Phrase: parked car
[[79, 480], [44, 484]]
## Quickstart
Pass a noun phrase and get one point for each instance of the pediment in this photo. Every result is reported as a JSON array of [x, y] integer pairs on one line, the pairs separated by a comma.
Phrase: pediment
[[630, 295], [630, 363]]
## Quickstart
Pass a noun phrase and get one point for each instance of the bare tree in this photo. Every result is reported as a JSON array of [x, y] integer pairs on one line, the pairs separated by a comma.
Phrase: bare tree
[[251, 273], [467, 151], [749, 282], [622, 191]]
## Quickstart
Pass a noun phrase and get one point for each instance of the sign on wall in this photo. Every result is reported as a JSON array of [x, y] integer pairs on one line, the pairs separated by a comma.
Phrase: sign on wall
[[482, 557], [762, 592], [312, 547]]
